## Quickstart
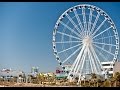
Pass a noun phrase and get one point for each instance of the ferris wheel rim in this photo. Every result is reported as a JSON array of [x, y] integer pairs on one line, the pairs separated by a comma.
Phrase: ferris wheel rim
[[92, 7]]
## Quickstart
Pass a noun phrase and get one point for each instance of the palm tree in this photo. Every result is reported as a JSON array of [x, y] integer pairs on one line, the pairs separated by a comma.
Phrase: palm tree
[[48, 78], [89, 81], [40, 78], [107, 83], [54, 78]]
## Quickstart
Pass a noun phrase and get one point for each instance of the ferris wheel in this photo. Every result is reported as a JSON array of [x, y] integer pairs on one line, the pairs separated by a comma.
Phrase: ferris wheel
[[84, 36]]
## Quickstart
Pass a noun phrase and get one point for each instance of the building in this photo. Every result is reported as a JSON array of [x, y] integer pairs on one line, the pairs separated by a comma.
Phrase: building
[[62, 73], [107, 67], [7, 74], [111, 67], [34, 71], [67, 68]]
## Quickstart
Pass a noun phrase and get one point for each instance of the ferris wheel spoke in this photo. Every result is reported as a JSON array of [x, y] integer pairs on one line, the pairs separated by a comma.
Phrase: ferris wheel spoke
[[91, 66], [79, 22], [74, 66], [69, 42], [72, 54], [82, 61], [99, 27], [70, 28], [95, 22], [69, 48], [105, 44], [68, 35], [73, 22], [72, 70], [90, 19], [95, 55], [101, 55], [109, 41], [84, 19], [92, 61], [104, 37], [78, 19], [103, 49], [78, 59], [102, 32], [80, 66]]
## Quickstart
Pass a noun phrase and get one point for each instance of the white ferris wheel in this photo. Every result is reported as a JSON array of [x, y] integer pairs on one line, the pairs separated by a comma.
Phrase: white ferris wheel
[[85, 36]]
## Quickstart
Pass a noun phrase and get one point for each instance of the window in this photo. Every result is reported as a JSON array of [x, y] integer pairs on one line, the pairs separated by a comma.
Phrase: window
[[105, 64], [111, 69]]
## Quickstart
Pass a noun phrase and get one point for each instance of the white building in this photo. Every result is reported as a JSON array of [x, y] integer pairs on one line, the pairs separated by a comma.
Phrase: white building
[[34, 71], [67, 68], [108, 66], [8, 73], [115, 67]]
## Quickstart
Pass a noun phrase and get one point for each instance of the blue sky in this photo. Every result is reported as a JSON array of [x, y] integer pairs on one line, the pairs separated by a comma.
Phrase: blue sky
[[26, 32]]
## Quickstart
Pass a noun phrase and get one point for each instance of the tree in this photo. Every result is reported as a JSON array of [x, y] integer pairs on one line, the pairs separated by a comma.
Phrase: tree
[[93, 77], [40, 78], [106, 83], [117, 78], [99, 82], [112, 81]]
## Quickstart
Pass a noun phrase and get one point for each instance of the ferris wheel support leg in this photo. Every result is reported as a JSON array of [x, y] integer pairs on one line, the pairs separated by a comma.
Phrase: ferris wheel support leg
[[78, 63], [79, 81], [82, 62], [91, 66], [85, 53], [96, 59], [74, 66], [93, 63], [79, 58], [72, 69]]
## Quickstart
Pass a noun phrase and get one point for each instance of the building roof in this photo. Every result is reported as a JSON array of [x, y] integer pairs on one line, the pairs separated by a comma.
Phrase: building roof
[[109, 62]]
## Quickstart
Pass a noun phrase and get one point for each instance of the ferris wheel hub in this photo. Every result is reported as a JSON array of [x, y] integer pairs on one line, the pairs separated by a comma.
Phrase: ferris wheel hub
[[87, 40]]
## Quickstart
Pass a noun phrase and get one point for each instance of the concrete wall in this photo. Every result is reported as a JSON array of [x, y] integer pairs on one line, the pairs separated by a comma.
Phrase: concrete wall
[[116, 67]]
